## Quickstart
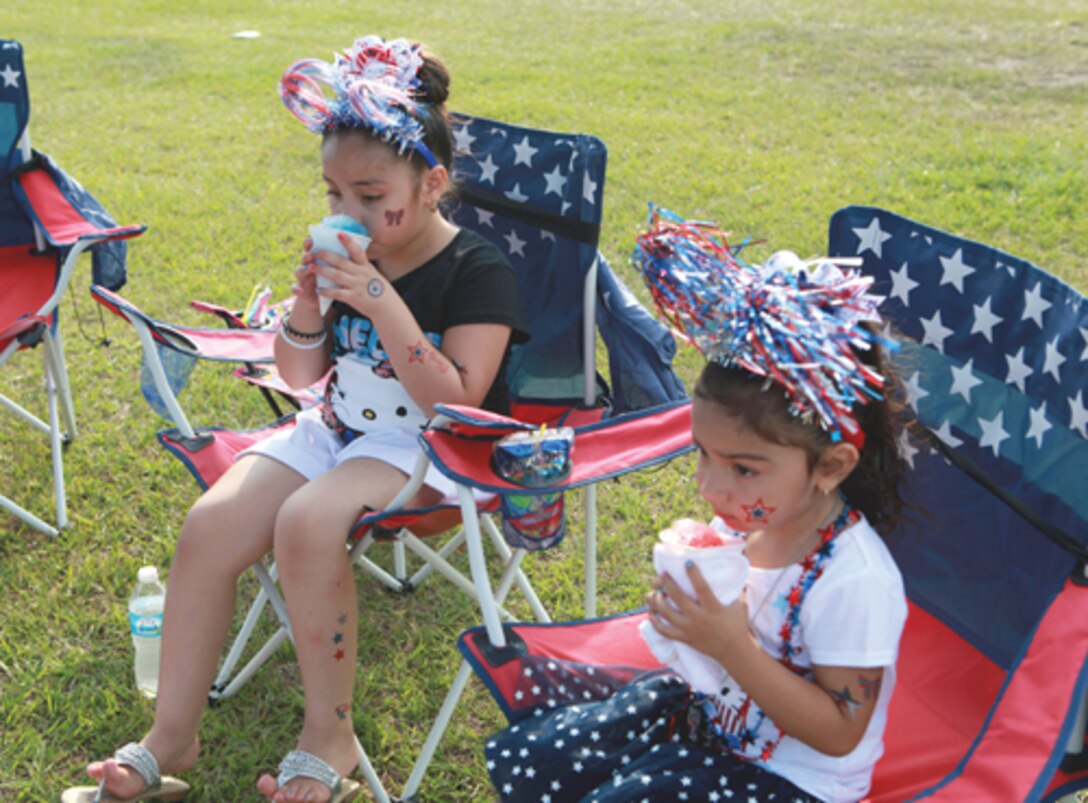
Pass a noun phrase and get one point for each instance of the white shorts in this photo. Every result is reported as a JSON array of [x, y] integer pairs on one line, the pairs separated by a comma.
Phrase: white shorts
[[311, 449]]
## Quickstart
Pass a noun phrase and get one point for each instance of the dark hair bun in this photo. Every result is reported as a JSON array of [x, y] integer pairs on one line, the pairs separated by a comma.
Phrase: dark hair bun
[[434, 80]]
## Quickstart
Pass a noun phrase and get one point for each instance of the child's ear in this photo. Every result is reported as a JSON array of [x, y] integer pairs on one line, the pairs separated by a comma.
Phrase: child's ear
[[834, 466], [435, 181]]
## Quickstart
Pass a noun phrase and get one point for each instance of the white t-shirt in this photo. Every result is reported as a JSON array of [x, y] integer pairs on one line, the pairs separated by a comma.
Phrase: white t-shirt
[[853, 615]]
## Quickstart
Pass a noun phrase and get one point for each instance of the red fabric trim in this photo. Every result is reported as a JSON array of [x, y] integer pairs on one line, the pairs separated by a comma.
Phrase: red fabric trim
[[27, 281], [63, 224], [944, 689], [235, 345], [1027, 722]]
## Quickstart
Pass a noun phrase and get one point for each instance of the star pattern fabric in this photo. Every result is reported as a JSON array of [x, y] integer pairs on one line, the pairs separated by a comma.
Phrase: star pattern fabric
[[559, 177], [108, 259], [635, 744], [992, 358]]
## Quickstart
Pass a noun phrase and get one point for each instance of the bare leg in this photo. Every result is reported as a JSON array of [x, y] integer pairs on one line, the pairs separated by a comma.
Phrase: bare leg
[[319, 589], [228, 529]]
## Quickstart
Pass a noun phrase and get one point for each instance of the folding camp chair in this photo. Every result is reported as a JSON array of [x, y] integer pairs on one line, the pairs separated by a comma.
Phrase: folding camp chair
[[538, 196], [993, 668], [46, 221]]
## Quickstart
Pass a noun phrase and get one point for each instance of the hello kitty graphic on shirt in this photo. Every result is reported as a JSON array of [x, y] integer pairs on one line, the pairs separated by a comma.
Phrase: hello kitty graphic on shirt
[[363, 393]]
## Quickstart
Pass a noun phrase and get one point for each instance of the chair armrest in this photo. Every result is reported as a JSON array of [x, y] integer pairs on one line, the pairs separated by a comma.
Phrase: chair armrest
[[609, 448]]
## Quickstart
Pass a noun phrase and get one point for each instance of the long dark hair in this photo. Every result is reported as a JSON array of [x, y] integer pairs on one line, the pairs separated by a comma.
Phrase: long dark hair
[[873, 487]]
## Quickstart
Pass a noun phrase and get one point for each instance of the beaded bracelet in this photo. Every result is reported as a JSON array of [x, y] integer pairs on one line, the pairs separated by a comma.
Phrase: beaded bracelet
[[295, 334], [303, 346]]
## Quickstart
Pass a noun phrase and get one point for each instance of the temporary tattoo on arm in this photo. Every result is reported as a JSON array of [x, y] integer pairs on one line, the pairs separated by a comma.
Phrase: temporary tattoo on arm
[[758, 512], [422, 352], [394, 218], [870, 687], [845, 701], [375, 287]]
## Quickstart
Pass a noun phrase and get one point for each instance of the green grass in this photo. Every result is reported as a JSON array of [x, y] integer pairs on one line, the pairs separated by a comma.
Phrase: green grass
[[766, 116]]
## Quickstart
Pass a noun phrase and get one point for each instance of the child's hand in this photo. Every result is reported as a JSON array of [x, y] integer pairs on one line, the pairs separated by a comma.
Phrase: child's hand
[[305, 286], [703, 623], [357, 281]]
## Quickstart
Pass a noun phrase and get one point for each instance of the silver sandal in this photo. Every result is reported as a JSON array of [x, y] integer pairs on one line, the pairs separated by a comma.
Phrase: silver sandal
[[138, 757], [300, 764]]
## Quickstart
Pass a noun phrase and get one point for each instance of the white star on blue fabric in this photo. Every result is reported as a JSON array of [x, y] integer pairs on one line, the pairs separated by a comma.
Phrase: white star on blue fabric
[[963, 379], [907, 449], [1078, 415], [915, 391], [524, 153], [488, 169], [1039, 425], [589, 191], [463, 139], [1053, 360], [902, 284], [1035, 305], [935, 332], [10, 76], [1019, 371], [993, 432], [955, 270], [485, 217], [944, 432], [872, 238], [556, 181], [985, 321], [516, 195]]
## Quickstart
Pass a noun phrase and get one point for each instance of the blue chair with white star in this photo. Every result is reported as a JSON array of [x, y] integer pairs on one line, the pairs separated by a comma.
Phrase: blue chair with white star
[[992, 677], [47, 221]]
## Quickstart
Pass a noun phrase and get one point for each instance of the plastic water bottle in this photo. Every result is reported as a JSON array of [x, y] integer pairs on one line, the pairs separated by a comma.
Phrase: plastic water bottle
[[145, 623]]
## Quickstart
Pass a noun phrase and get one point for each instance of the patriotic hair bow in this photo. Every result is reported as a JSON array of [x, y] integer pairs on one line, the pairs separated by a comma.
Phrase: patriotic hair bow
[[797, 323], [372, 86]]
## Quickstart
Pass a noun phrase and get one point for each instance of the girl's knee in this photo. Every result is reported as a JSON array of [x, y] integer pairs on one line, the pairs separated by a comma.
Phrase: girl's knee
[[304, 524]]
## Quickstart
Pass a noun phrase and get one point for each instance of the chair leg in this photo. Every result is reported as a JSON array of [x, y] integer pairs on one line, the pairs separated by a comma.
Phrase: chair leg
[[64, 389], [438, 729], [56, 387], [371, 777], [590, 605], [427, 568], [225, 684]]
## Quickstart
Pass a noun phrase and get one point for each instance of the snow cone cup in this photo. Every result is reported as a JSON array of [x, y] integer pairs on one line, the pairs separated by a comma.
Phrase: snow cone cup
[[720, 558], [325, 235], [722, 561]]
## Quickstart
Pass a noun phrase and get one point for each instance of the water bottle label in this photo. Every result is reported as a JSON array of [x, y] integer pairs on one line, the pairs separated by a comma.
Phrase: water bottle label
[[145, 625]]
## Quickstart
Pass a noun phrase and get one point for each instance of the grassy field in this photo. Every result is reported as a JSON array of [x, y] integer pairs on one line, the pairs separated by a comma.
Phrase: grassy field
[[766, 116]]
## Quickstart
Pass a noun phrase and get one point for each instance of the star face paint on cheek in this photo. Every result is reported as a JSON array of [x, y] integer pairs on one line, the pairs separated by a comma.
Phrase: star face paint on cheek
[[758, 513], [394, 218]]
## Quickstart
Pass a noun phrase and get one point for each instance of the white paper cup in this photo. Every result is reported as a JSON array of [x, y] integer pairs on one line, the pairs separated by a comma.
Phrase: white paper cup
[[327, 238], [725, 568]]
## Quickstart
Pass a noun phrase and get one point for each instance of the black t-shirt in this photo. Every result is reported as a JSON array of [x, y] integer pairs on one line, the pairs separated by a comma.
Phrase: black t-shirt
[[468, 281]]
